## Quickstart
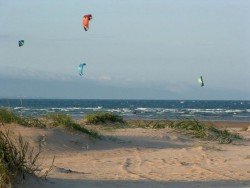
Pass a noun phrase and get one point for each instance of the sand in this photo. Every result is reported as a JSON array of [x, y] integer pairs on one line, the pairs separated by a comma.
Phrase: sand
[[137, 157]]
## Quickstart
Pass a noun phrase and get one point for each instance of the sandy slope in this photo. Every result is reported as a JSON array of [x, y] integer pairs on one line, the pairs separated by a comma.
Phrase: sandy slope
[[138, 158]]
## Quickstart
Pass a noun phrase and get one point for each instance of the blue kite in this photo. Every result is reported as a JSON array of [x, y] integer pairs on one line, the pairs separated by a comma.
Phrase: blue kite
[[80, 69]]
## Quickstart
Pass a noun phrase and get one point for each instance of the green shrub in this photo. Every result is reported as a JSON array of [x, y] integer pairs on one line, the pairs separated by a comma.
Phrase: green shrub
[[103, 117]]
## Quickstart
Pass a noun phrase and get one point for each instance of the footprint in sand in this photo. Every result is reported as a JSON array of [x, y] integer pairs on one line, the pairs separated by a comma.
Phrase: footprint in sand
[[41, 139], [126, 168], [184, 163], [132, 166], [68, 171]]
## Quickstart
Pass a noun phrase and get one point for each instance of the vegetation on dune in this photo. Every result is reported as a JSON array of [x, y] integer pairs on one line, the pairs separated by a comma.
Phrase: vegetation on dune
[[60, 119], [159, 125], [67, 121], [199, 130], [7, 116], [103, 117], [189, 126], [151, 124], [17, 159]]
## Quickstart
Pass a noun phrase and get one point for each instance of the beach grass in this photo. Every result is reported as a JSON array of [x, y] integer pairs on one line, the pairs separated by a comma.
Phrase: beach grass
[[68, 122], [199, 130], [7, 116], [17, 159], [103, 117], [189, 126], [192, 127], [150, 124], [159, 125]]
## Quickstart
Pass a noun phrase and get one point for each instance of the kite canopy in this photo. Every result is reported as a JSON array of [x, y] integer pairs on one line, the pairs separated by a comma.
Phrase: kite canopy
[[20, 43], [85, 21], [80, 69], [200, 81]]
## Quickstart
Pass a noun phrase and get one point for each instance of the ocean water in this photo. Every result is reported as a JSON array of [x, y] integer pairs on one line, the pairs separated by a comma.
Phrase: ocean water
[[135, 109]]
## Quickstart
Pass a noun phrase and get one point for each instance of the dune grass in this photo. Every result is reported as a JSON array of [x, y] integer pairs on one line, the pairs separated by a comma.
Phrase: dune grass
[[7, 116], [148, 124], [17, 159], [188, 126], [68, 122], [159, 125], [199, 130], [103, 117]]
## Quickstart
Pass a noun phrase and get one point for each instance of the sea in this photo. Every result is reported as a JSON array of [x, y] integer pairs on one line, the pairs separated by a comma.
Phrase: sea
[[228, 110]]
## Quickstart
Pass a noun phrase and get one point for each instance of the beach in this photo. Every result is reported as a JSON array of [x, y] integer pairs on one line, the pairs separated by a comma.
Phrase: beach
[[139, 157], [124, 94]]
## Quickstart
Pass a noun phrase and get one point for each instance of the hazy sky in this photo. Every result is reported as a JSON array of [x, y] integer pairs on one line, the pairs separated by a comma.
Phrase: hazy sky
[[134, 46]]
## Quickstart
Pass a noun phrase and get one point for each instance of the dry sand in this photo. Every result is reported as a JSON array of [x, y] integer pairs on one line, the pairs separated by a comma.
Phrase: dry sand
[[137, 157]]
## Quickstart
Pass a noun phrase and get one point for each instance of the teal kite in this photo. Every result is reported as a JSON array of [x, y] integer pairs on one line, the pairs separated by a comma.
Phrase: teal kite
[[80, 69]]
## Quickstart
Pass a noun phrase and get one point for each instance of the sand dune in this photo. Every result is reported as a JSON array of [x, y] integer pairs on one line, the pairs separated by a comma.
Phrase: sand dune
[[138, 158]]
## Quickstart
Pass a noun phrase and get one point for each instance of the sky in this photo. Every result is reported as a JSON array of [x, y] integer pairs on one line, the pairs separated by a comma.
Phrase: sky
[[134, 49]]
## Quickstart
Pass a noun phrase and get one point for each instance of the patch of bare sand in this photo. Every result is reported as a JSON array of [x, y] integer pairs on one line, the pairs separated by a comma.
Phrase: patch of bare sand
[[138, 158]]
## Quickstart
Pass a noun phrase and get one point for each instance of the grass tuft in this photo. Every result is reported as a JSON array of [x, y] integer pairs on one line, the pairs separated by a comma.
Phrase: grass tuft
[[17, 159], [159, 125], [155, 124], [199, 130], [7, 116], [60, 119], [103, 117], [67, 121]]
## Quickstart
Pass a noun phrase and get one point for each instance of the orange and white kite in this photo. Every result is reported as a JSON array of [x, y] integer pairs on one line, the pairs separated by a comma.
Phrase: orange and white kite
[[85, 21]]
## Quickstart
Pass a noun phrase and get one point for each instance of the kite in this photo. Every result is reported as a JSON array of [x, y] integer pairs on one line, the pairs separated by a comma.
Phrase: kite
[[85, 21], [80, 68], [201, 82], [20, 43]]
